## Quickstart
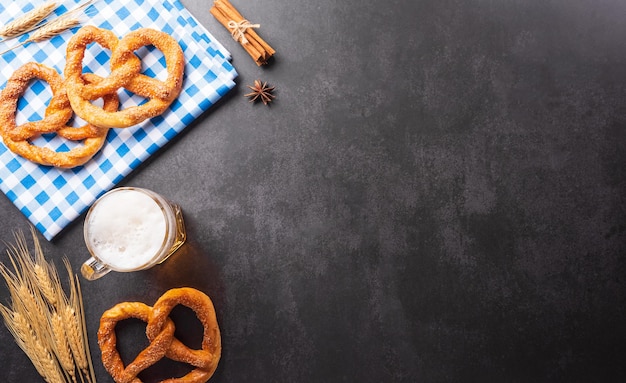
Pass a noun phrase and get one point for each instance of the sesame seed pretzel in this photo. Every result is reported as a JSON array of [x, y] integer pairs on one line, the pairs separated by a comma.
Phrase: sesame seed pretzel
[[160, 332], [125, 73], [58, 112], [75, 95]]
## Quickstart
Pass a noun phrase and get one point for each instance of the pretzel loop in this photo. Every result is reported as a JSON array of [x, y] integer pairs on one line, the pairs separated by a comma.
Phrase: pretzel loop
[[73, 72], [205, 359], [58, 111], [147, 86]]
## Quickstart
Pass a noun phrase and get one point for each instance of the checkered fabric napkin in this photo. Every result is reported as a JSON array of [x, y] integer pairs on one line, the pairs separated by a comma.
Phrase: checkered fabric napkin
[[52, 198]]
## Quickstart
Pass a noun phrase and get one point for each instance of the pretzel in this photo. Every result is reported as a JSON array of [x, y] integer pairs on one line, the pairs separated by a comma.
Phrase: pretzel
[[58, 113], [160, 332], [125, 73], [107, 341]]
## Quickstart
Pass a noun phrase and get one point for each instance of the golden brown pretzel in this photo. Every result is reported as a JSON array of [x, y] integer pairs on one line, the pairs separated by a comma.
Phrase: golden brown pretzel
[[107, 341], [58, 113], [163, 343], [125, 73]]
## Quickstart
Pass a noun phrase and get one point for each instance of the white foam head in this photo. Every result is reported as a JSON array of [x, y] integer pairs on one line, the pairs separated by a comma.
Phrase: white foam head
[[126, 229]]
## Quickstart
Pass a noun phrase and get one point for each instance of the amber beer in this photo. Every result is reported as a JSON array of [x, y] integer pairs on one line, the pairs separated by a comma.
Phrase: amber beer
[[131, 229]]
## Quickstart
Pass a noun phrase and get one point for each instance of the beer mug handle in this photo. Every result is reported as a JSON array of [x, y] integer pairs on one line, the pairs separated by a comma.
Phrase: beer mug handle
[[93, 269]]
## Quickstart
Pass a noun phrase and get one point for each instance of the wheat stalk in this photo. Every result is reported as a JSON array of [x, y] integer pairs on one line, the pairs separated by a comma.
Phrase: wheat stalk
[[28, 21], [45, 274], [76, 299], [76, 330], [31, 305], [55, 27], [51, 371], [28, 340], [18, 326], [75, 339], [46, 284], [46, 323], [62, 346], [24, 333]]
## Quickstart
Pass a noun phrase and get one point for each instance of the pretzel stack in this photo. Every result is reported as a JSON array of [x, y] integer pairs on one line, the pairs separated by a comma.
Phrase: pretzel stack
[[77, 92]]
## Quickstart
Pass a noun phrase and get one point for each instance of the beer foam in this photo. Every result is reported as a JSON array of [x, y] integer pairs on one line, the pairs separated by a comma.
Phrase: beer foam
[[126, 229]]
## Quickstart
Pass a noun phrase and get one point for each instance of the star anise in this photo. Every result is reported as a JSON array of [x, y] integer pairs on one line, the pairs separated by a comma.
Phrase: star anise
[[260, 91]]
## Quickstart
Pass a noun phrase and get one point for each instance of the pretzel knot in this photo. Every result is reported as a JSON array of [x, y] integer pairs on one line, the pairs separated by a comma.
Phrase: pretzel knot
[[19, 139], [160, 332], [125, 73]]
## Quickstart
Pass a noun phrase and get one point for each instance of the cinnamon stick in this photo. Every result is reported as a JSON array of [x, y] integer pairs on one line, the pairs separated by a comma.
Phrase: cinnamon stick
[[257, 55], [242, 31]]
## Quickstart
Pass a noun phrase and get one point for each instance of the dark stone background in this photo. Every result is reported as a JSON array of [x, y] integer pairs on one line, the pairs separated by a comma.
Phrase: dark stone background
[[437, 195]]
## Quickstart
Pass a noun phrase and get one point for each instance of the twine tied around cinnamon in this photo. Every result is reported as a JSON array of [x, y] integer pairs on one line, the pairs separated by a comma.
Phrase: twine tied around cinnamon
[[242, 31], [238, 29]]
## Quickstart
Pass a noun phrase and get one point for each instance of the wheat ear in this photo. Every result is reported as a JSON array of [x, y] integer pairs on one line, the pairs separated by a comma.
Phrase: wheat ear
[[54, 27], [18, 327], [51, 371], [25, 336], [53, 335], [62, 346], [46, 276], [33, 307], [27, 339], [46, 284], [72, 326], [28, 21], [59, 25]]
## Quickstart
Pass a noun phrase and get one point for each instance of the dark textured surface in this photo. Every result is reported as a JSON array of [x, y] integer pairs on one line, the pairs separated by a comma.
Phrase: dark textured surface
[[437, 195]]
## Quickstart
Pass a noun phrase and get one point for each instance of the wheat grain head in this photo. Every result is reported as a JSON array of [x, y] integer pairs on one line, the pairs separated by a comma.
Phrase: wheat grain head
[[28, 21]]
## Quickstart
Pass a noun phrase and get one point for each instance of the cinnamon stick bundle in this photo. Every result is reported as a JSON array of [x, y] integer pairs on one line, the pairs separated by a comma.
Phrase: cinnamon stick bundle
[[242, 31]]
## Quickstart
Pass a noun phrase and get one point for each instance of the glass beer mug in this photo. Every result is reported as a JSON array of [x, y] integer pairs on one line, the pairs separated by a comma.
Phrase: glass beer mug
[[130, 229]]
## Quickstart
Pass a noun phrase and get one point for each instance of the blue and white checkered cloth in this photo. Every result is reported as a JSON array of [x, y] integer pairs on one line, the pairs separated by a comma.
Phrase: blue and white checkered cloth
[[52, 198]]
